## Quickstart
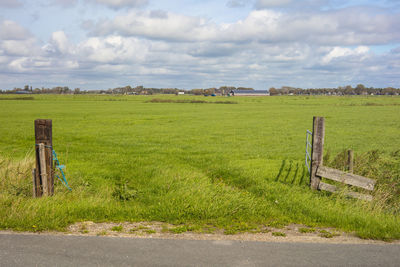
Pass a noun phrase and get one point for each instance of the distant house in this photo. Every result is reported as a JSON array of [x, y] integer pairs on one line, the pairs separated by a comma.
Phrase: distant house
[[181, 93], [249, 93]]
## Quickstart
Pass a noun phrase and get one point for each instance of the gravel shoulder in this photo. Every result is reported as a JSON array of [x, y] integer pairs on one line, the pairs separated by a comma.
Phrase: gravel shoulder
[[157, 230]]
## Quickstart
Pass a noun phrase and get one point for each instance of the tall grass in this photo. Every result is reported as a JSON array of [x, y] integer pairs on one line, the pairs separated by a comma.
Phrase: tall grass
[[15, 176], [380, 166]]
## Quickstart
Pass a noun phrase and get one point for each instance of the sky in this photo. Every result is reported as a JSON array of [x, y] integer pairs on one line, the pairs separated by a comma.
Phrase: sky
[[101, 44]]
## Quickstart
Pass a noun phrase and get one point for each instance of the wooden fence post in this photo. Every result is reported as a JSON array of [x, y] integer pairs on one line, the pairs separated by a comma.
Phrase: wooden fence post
[[350, 160], [44, 175], [317, 151]]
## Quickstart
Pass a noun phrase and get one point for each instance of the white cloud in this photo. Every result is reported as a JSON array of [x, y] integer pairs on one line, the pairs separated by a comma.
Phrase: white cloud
[[60, 42], [10, 3], [20, 64], [152, 25], [342, 27], [113, 50], [117, 4], [237, 3], [15, 40], [113, 4], [18, 47], [339, 52], [272, 3], [296, 4], [65, 3], [10, 30]]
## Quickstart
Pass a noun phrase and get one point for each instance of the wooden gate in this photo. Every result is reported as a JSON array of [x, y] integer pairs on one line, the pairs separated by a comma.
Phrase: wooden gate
[[319, 171]]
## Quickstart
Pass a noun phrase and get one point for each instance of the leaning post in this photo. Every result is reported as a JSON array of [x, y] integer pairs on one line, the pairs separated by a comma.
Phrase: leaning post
[[44, 175], [317, 151]]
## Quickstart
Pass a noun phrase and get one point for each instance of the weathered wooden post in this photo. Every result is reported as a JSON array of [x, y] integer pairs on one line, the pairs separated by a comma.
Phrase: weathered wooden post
[[350, 160], [317, 151], [34, 194], [44, 175]]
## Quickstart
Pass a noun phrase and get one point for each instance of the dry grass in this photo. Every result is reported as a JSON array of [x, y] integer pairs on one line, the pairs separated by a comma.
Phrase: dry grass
[[380, 166], [16, 176]]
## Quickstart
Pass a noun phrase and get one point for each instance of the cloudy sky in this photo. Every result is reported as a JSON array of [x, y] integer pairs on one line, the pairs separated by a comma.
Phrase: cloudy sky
[[101, 44]]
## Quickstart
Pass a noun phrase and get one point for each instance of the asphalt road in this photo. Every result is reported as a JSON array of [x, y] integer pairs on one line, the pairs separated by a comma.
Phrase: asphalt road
[[57, 250]]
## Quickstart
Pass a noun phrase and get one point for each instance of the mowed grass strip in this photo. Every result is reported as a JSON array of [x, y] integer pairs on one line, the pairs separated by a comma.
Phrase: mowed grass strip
[[188, 163]]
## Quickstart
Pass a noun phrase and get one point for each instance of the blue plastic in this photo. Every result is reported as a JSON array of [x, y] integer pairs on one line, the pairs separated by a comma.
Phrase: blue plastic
[[60, 167]]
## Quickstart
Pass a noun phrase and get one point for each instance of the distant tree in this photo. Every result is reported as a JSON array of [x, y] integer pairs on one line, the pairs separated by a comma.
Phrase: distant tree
[[389, 91], [360, 88], [197, 91], [273, 91], [348, 90]]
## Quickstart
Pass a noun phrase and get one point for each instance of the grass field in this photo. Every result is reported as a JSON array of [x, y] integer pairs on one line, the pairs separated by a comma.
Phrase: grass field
[[236, 165]]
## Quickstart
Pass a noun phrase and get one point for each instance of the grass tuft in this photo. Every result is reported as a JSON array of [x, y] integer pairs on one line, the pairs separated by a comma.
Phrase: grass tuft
[[327, 234], [123, 192], [306, 230], [278, 234], [117, 228]]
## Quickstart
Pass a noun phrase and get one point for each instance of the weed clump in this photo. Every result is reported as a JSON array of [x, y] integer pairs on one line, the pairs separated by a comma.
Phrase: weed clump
[[238, 227], [123, 192], [327, 234], [306, 230], [279, 234], [117, 228]]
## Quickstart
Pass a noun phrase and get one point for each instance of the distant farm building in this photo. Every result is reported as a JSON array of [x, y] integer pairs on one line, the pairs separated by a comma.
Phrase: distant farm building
[[22, 92], [249, 93]]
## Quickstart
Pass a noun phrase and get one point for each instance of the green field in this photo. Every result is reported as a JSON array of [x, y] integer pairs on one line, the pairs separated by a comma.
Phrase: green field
[[234, 166]]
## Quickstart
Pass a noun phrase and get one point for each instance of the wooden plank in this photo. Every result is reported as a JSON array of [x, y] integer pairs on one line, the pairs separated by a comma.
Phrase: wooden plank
[[327, 187], [317, 150], [350, 160], [43, 169], [43, 134], [38, 189], [34, 194], [347, 178], [334, 189]]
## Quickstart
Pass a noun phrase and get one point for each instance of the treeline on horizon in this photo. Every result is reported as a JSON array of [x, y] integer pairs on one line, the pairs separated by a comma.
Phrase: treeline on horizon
[[360, 89]]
